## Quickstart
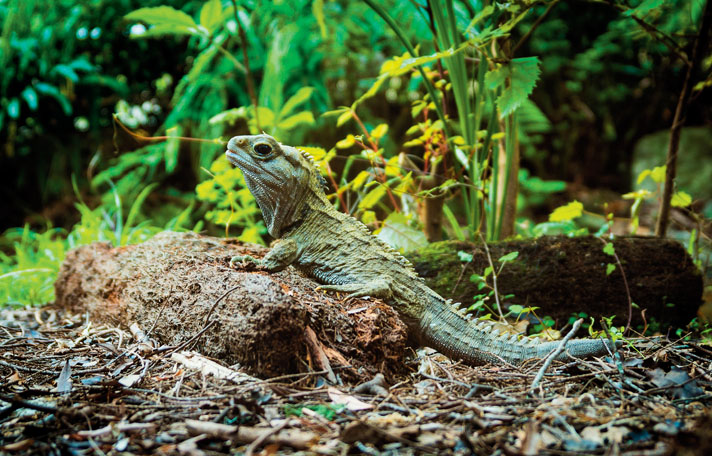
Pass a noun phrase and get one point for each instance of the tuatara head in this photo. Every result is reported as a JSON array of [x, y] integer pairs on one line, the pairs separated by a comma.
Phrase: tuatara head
[[278, 176]]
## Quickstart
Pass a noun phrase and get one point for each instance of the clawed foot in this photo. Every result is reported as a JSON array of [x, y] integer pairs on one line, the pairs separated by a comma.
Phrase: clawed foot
[[244, 261]]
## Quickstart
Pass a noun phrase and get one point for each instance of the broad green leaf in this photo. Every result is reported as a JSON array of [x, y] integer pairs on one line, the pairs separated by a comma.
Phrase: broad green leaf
[[230, 116], [645, 7], [211, 15], [162, 15], [610, 267], [13, 108], [360, 179], [399, 234], [380, 131], [295, 100], [372, 197], [681, 199], [509, 257], [299, 118], [516, 80], [171, 151], [465, 257], [30, 97], [343, 118], [608, 249], [658, 174], [66, 71], [368, 217], [347, 142], [567, 212]]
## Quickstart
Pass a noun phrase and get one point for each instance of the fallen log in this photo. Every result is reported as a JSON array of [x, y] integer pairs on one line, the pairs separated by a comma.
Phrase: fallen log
[[564, 276], [177, 285]]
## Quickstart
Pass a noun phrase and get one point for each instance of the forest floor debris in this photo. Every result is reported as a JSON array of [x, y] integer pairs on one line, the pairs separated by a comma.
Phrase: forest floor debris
[[70, 387]]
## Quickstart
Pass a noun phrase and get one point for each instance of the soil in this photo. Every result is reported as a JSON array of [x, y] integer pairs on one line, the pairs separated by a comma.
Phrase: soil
[[176, 284]]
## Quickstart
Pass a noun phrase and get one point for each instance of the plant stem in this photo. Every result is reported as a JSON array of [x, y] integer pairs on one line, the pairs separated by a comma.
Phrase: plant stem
[[248, 73], [699, 47]]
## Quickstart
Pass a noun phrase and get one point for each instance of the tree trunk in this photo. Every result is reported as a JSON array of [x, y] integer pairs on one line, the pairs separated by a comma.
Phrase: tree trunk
[[564, 276]]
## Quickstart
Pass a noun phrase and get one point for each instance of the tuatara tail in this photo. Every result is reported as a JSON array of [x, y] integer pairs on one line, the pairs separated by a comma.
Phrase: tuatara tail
[[478, 342]]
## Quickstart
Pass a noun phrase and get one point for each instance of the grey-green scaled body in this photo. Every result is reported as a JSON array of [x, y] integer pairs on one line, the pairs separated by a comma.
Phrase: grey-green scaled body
[[339, 251]]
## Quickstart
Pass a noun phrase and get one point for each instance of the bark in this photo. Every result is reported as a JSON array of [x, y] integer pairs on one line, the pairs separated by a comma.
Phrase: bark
[[564, 276], [174, 285]]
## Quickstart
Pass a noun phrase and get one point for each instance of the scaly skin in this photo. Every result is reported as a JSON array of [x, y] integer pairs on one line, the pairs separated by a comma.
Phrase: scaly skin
[[339, 251]]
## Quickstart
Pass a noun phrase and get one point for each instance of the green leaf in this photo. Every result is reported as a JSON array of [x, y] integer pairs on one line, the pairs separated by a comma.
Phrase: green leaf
[[318, 12], [162, 15], [166, 29], [343, 118], [509, 257], [645, 7], [299, 118], [610, 267], [66, 71], [13, 108], [567, 212], [658, 174], [30, 97], [50, 90], [608, 249], [516, 80], [211, 15], [295, 100], [372, 197], [681, 199], [465, 257]]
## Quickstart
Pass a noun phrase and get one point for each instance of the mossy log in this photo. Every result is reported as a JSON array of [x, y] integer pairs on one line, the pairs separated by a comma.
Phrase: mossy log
[[177, 284], [564, 276]]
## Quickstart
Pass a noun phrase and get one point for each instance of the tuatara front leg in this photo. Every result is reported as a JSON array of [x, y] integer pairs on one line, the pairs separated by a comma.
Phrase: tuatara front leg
[[282, 254]]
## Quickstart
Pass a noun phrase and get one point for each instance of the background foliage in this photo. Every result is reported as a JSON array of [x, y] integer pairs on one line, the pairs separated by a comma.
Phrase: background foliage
[[410, 110]]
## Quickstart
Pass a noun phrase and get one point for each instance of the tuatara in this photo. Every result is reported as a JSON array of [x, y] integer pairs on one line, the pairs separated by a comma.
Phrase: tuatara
[[340, 252]]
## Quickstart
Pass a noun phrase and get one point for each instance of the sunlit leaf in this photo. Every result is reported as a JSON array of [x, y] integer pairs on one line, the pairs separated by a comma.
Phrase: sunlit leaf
[[610, 267], [162, 15], [567, 212], [347, 142], [318, 12], [343, 118], [372, 197], [681, 199], [380, 131], [211, 15], [295, 100], [317, 153], [304, 117], [658, 174]]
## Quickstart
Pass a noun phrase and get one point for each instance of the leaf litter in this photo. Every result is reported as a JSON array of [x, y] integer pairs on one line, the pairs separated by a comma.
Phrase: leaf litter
[[70, 387]]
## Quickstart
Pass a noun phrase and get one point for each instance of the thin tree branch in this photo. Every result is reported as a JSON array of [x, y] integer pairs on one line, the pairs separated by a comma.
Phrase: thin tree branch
[[701, 43]]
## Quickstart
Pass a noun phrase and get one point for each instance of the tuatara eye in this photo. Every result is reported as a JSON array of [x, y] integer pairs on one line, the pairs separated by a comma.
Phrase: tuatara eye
[[263, 149]]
